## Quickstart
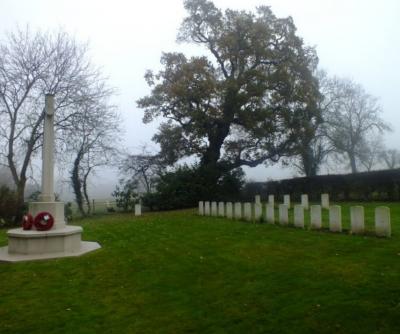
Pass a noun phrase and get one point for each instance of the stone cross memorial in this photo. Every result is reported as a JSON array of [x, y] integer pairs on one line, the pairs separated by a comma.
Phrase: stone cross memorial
[[58, 239]]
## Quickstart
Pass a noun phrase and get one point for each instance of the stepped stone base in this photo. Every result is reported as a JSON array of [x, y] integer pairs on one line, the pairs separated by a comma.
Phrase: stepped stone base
[[38, 245]]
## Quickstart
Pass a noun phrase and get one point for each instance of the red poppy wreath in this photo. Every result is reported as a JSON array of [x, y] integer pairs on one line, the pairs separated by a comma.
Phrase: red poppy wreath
[[43, 221], [27, 221]]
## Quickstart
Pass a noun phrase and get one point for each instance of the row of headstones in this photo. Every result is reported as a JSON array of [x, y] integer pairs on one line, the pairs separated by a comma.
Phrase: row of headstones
[[304, 200], [357, 226]]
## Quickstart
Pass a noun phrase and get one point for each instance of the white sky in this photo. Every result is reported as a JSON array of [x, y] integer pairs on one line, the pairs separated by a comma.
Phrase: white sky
[[354, 38]]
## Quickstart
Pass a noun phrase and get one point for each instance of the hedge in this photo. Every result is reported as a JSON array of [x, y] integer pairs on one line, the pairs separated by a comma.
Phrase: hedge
[[381, 185]]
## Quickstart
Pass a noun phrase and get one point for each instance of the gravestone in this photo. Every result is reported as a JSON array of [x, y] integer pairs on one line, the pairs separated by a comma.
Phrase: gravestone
[[325, 201], [238, 210], [229, 210], [299, 216], [138, 209], [207, 210], [357, 219], [270, 214], [59, 239], [221, 209], [382, 222], [214, 210], [283, 214], [335, 218], [201, 208], [286, 200], [304, 201], [257, 212], [315, 217], [257, 199], [271, 200], [247, 211]]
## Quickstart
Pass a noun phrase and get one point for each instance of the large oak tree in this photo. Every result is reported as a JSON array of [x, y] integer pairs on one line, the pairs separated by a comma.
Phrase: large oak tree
[[245, 103]]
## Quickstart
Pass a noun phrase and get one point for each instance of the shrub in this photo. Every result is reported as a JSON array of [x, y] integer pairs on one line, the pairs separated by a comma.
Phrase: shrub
[[8, 205], [185, 186], [125, 195]]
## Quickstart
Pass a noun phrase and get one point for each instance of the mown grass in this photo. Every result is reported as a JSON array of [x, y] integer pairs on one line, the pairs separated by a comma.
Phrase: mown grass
[[176, 272]]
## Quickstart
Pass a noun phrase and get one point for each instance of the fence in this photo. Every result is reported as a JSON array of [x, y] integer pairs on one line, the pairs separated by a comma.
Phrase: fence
[[98, 206]]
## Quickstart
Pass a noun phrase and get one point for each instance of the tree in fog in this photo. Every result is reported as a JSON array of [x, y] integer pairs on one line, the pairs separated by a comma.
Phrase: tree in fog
[[31, 65], [143, 168], [91, 142], [351, 120], [244, 104], [391, 158], [313, 146], [370, 153]]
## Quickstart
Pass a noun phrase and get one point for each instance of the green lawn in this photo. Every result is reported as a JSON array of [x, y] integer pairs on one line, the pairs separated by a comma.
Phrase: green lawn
[[175, 272]]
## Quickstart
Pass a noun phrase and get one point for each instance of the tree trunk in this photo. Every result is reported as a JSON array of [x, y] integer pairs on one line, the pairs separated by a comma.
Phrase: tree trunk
[[85, 192], [20, 201], [309, 163], [353, 164], [77, 185]]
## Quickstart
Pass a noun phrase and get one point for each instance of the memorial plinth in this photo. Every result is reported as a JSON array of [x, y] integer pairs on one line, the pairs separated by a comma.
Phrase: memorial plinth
[[61, 240]]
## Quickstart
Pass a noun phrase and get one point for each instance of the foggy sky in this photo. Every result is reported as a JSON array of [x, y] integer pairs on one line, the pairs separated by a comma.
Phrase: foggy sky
[[353, 38]]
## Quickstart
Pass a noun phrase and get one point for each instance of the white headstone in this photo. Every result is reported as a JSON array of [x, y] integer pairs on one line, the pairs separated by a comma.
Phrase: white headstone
[[270, 213], [247, 211], [283, 214], [357, 219], [271, 200], [315, 217], [286, 200], [382, 222], [201, 208], [257, 212], [299, 216], [138, 209], [221, 209], [238, 210], [335, 218], [229, 210], [257, 199], [325, 201], [214, 210], [304, 201], [207, 210]]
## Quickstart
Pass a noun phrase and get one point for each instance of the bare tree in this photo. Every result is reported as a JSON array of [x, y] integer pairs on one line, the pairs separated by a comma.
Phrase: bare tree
[[143, 167], [352, 117], [370, 152], [91, 143], [391, 158], [313, 145], [31, 65]]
